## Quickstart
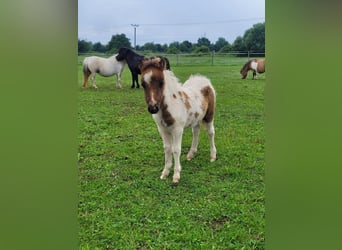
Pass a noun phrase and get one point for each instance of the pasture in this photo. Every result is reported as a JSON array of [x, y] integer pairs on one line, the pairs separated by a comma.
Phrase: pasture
[[122, 202]]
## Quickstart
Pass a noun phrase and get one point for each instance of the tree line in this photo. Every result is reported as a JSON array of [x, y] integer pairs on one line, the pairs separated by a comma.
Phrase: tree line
[[252, 40]]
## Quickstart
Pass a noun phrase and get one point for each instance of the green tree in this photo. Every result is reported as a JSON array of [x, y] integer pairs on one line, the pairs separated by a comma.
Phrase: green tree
[[239, 44], [98, 47], [203, 41], [172, 50], [84, 46], [220, 43], [185, 46], [116, 42], [254, 38], [226, 49], [201, 49], [174, 45], [149, 46]]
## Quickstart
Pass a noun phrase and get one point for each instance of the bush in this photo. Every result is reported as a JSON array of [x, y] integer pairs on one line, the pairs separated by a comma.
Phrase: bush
[[201, 49]]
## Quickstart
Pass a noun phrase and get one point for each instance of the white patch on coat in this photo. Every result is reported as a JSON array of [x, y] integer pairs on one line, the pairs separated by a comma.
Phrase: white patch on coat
[[147, 77], [254, 65]]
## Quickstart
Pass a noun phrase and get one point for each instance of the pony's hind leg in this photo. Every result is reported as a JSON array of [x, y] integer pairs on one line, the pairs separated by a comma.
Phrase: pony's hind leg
[[85, 81], [92, 78], [193, 149], [211, 133], [135, 79]]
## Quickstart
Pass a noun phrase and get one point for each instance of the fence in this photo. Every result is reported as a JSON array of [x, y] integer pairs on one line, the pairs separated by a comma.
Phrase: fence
[[231, 58]]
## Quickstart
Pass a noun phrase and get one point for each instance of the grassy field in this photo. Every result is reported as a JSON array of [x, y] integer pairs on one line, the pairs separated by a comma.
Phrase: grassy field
[[122, 202]]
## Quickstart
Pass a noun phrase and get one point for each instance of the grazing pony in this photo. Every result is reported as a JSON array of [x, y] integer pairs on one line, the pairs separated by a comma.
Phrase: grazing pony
[[104, 67], [174, 107], [256, 65], [133, 60]]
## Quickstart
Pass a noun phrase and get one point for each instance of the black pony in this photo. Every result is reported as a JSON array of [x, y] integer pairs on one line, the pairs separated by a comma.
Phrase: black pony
[[133, 60]]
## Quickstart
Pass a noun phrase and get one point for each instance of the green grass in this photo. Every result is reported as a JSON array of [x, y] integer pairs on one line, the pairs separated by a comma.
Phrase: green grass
[[122, 202]]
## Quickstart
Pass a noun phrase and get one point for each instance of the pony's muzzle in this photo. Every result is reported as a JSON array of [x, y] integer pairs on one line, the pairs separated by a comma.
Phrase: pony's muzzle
[[153, 109]]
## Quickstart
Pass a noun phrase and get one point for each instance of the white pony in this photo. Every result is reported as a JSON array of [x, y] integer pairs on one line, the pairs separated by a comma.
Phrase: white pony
[[103, 66], [174, 107]]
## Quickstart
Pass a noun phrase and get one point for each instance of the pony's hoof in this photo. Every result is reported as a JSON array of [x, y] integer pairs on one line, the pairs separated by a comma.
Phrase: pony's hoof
[[175, 181], [163, 177], [212, 159]]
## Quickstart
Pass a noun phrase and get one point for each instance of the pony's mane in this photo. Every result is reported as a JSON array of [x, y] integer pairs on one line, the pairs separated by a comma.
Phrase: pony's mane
[[171, 80], [246, 66]]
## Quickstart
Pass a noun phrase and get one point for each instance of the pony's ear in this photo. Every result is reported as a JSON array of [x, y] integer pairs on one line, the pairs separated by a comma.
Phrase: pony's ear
[[162, 63], [159, 62]]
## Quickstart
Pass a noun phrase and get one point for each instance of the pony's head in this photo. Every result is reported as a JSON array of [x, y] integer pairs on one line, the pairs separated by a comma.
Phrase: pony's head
[[244, 70], [122, 54], [152, 80]]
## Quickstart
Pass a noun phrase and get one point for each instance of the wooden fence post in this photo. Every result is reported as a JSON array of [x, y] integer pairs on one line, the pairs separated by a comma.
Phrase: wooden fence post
[[212, 58]]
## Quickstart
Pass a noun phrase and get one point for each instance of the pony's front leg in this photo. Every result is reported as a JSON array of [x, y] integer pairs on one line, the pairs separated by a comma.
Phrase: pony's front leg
[[118, 81], [168, 154], [193, 149], [176, 149]]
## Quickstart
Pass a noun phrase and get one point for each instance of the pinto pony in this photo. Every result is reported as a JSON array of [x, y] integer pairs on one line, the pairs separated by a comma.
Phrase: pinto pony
[[104, 67], [133, 60], [174, 107], [256, 65]]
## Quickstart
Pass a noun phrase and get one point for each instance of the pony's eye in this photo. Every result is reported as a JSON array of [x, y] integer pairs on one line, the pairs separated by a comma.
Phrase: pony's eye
[[161, 83]]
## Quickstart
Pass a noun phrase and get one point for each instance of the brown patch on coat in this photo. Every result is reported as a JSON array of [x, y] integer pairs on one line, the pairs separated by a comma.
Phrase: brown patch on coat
[[185, 99], [166, 115], [208, 103], [261, 66], [196, 114], [174, 96]]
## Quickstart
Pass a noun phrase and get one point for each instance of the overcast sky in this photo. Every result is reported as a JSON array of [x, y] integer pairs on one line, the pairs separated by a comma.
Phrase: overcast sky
[[164, 22]]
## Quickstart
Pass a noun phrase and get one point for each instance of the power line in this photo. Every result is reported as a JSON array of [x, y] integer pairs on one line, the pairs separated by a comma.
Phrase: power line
[[196, 23]]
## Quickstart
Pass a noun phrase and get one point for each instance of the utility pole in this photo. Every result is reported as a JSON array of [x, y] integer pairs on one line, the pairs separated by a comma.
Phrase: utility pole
[[135, 34]]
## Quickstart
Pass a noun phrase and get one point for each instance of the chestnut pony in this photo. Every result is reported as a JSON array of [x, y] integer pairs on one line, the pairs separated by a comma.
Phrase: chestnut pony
[[174, 107], [256, 65]]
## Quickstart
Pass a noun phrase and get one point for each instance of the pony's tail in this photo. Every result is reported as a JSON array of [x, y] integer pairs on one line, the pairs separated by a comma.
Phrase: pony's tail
[[86, 73], [210, 94]]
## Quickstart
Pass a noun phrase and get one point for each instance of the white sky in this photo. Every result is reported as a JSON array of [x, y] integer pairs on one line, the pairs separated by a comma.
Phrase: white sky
[[167, 21]]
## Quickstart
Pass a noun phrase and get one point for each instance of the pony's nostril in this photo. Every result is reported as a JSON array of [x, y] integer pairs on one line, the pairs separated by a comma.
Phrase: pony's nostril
[[153, 109]]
